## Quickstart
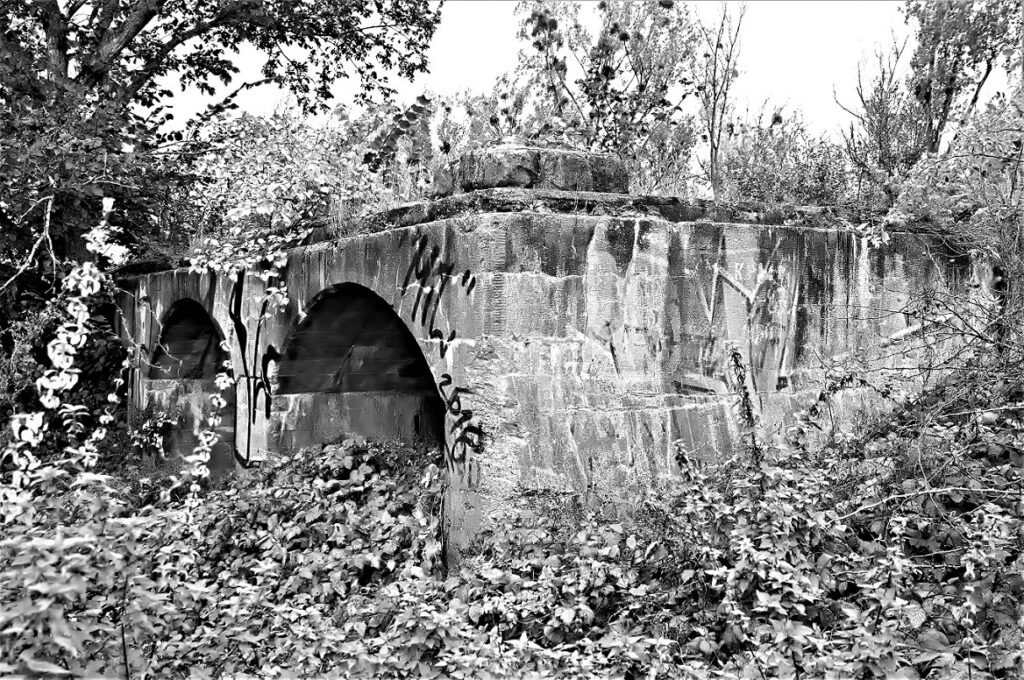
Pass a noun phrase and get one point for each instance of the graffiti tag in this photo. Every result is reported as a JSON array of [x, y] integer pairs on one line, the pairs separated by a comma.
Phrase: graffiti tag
[[435, 275], [257, 383]]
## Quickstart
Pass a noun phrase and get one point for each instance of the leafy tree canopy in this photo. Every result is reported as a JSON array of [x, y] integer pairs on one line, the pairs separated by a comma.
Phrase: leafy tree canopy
[[83, 95], [959, 45], [121, 49], [975, 195], [617, 89]]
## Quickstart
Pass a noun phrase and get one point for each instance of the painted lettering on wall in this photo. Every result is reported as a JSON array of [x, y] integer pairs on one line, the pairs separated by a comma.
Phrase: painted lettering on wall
[[466, 435], [769, 294], [433, 276], [254, 372]]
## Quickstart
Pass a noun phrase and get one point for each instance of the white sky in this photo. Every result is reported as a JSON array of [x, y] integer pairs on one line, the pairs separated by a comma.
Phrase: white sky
[[794, 54]]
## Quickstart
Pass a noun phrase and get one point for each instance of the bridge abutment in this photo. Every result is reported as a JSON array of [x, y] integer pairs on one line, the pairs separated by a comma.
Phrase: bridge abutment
[[556, 332]]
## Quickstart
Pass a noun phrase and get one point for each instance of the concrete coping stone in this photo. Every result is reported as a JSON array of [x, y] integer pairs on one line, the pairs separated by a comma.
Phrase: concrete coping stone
[[551, 201], [527, 167], [584, 203]]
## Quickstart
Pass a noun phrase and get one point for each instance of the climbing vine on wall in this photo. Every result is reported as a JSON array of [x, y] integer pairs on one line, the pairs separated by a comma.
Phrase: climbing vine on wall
[[234, 259]]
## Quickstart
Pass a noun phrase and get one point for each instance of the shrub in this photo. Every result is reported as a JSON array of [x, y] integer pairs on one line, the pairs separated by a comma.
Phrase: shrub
[[256, 575], [780, 162], [831, 566]]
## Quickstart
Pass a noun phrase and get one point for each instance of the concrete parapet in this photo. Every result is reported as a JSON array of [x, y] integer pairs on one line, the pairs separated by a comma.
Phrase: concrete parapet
[[533, 168]]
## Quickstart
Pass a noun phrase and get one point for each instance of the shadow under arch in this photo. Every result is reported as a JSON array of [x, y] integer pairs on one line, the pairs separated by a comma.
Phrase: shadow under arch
[[351, 367], [182, 374], [189, 346]]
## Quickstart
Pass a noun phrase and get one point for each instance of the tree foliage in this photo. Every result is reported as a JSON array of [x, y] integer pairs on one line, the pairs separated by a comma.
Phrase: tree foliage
[[628, 70], [384, 145], [83, 93], [977, 189], [896, 123], [775, 160], [887, 136], [958, 46], [260, 175], [258, 178], [716, 69], [619, 90], [124, 49]]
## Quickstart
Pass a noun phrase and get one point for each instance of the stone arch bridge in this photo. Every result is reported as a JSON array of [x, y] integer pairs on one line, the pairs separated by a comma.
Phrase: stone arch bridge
[[549, 329]]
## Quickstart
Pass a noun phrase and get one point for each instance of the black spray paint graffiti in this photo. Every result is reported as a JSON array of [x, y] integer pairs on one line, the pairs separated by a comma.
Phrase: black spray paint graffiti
[[467, 435], [256, 381], [434, 276]]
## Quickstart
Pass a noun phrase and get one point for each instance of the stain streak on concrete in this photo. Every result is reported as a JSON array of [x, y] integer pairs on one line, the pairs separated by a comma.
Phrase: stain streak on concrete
[[594, 338]]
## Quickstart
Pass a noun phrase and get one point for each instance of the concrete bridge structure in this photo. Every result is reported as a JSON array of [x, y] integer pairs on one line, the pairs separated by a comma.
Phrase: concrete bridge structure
[[550, 330]]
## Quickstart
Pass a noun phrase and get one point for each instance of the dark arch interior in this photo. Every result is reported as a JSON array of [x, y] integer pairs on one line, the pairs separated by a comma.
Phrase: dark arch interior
[[190, 354], [370, 377], [189, 347]]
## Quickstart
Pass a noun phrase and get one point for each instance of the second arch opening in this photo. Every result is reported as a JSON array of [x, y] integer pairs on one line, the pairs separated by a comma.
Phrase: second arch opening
[[352, 368]]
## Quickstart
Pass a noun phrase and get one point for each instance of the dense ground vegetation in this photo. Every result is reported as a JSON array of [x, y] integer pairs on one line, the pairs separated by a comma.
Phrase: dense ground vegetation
[[894, 555], [894, 551]]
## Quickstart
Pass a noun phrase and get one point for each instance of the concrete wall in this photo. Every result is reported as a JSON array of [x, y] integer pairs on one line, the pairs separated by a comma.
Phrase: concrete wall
[[571, 349]]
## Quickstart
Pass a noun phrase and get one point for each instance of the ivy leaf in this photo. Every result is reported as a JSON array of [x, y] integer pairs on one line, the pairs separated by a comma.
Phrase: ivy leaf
[[38, 666], [934, 640]]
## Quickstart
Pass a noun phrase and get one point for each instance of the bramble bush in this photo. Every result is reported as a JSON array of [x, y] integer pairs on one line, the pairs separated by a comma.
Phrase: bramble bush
[[255, 577], [329, 564], [262, 578], [326, 564], [777, 161]]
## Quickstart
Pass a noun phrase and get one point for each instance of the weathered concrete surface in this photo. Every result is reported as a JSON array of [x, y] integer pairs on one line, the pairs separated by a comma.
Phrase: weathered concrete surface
[[568, 350], [180, 379], [188, 400], [534, 168], [351, 366]]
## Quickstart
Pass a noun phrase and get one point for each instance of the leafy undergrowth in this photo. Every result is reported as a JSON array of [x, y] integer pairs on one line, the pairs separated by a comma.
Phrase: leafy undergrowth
[[898, 555], [254, 576]]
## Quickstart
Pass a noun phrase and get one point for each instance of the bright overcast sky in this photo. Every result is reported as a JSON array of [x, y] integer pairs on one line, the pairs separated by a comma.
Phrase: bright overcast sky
[[794, 54]]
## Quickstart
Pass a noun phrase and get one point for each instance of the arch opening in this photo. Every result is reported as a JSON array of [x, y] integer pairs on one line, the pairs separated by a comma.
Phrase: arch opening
[[352, 368], [189, 347], [182, 375]]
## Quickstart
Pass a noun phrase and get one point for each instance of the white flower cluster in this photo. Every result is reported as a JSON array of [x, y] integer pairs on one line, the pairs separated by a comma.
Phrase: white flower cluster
[[29, 429]]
